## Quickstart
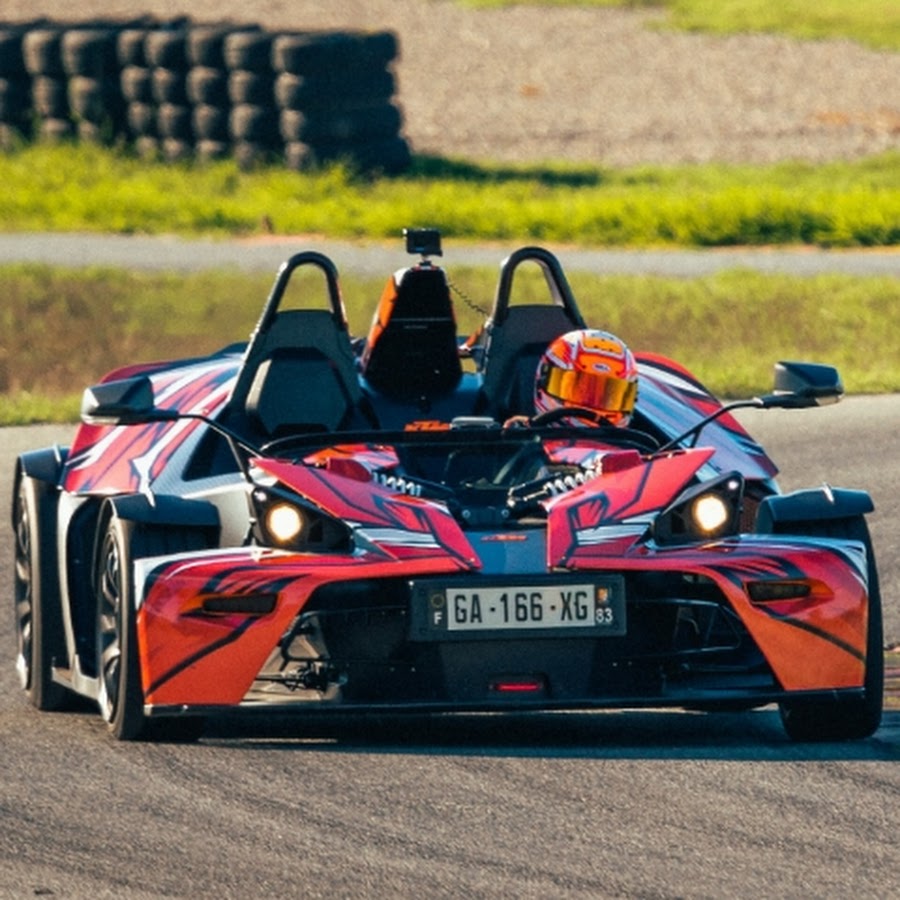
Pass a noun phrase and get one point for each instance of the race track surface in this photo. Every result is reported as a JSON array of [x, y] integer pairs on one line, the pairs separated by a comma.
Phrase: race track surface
[[624, 804]]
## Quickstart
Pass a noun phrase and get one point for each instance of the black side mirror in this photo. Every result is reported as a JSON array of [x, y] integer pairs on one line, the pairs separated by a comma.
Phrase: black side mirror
[[799, 384], [125, 402]]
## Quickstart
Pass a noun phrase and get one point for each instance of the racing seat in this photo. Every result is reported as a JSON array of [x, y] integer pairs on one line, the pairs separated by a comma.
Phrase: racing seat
[[306, 377], [411, 354], [299, 370], [515, 336]]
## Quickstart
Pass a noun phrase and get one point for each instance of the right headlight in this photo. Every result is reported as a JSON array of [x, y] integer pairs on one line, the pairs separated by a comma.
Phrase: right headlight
[[703, 512]]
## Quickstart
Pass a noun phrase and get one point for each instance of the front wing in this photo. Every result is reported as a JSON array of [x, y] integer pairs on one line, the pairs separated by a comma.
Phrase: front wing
[[253, 627]]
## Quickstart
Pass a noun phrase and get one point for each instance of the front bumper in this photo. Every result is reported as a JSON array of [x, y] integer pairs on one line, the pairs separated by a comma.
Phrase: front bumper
[[342, 633]]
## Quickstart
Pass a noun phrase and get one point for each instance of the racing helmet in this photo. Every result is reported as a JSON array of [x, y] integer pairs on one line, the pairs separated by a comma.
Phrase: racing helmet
[[590, 369]]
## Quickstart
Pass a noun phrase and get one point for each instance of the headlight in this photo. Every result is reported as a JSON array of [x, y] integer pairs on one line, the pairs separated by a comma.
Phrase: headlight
[[283, 520], [710, 512], [703, 512]]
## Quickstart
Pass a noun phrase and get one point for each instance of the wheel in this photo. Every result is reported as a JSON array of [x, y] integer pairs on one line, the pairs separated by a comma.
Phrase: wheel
[[121, 695], [844, 719], [39, 628]]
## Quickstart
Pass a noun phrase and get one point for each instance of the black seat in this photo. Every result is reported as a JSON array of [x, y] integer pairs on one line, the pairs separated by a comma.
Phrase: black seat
[[516, 336], [411, 353], [511, 355], [306, 377], [299, 370]]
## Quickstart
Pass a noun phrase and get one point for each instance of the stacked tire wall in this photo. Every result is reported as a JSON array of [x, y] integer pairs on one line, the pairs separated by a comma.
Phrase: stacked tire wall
[[180, 89]]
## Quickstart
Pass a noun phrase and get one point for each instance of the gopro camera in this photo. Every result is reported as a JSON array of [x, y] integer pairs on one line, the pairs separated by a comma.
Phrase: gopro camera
[[424, 241]]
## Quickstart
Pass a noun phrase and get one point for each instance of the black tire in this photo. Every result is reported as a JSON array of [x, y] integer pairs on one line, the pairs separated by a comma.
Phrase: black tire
[[250, 50], [15, 99], [391, 156], [174, 121], [42, 52], [256, 88], [210, 123], [39, 626], [331, 89], [56, 130], [206, 44], [311, 54], [92, 100], [146, 146], [166, 48], [169, 86], [92, 132], [136, 83], [340, 127], [209, 150], [130, 47], [299, 157], [256, 124], [844, 719], [207, 86], [50, 97], [12, 63], [121, 697], [89, 52], [251, 155], [177, 149], [141, 119]]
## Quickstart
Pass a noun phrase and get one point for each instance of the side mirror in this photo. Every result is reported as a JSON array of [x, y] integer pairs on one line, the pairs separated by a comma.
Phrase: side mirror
[[126, 402], [800, 384]]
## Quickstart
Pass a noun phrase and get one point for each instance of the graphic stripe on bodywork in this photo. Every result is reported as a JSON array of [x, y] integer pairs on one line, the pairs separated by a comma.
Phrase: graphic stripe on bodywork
[[200, 654], [818, 632]]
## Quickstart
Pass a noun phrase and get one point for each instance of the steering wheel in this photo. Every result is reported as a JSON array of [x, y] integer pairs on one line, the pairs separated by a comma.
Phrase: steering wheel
[[569, 412], [625, 436]]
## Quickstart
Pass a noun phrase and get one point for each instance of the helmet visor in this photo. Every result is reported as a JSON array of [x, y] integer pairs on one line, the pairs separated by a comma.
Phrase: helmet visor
[[592, 390]]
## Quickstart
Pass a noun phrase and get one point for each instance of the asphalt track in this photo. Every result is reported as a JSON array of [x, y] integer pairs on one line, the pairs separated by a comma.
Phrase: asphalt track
[[625, 804], [650, 804], [266, 254]]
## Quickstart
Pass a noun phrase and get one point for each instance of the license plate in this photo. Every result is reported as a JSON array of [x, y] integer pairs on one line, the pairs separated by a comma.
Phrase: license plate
[[584, 608]]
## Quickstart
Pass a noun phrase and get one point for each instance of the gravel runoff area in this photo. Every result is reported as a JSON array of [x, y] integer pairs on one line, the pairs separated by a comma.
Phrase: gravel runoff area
[[531, 83]]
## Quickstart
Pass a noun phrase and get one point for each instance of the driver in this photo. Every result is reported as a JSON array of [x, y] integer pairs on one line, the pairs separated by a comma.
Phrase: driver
[[588, 370]]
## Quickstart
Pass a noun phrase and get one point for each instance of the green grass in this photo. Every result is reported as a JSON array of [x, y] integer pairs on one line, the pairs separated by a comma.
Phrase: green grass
[[728, 328], [875, 23], [87, 188], [61, 329]]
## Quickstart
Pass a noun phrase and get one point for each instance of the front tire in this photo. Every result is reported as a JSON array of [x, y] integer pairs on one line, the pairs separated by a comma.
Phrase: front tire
[[39, 627], [121, 695], [845, 719]]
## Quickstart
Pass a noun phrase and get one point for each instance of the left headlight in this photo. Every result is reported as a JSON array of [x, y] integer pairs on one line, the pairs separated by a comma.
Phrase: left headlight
[[703, 512], [284, 521]]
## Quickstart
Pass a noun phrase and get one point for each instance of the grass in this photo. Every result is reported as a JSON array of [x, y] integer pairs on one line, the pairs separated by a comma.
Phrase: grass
[[875, 23], [88, 188], [729, 328]]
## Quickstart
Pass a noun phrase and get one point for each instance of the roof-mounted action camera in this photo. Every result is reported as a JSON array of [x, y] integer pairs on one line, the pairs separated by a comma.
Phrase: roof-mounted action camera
[[424, 241]]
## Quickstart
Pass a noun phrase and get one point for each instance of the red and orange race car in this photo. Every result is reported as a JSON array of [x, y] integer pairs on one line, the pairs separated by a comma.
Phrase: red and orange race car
[[306, 523]]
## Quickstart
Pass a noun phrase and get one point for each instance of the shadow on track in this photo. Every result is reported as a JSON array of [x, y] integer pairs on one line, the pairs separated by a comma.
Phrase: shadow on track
[[653, 734]]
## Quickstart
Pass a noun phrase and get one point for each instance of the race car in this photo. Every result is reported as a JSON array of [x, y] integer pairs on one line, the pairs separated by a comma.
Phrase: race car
[[308, 522]]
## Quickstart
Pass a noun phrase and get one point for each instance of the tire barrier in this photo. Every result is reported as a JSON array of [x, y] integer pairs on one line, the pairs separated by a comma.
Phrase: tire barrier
[[178, 89]]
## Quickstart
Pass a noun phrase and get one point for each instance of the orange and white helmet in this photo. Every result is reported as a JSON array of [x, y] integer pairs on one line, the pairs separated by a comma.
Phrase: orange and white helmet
[[588, 369]]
